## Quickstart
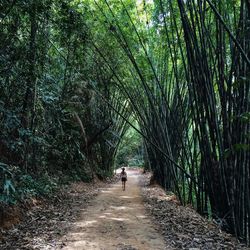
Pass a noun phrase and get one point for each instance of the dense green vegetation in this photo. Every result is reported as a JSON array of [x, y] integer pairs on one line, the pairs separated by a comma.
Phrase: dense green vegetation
[[131, 150], [53, 120], [76, 74]]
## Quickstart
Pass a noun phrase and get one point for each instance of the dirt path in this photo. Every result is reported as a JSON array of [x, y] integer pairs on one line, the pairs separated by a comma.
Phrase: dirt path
[[116, 219], [101, 216]]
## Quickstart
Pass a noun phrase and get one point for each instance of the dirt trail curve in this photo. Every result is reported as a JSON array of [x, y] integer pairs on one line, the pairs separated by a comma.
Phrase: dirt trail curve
[[115, 220]]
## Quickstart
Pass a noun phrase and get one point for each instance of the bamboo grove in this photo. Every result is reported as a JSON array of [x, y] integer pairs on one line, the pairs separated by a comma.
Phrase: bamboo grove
[[187, 79], [75, 74]]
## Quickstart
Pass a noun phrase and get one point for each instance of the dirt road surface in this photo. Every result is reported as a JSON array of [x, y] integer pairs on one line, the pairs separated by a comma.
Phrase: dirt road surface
[[115, 220]]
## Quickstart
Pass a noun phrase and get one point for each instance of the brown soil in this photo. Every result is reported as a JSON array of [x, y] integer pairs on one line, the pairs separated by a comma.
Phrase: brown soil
[[78, 218], [116, 219], [44, 222], [9, 216]]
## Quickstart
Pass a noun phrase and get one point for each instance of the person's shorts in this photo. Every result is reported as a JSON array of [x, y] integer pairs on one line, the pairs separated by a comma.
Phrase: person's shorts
[[124, 179]]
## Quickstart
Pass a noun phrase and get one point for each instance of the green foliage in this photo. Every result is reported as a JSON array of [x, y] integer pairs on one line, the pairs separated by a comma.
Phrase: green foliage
[[54, 126], [130, 151], [76, 174], [6, 184], [29, 186]]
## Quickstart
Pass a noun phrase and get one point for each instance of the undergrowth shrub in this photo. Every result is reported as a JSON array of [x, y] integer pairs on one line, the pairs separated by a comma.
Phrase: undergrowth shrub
[[76, 174], [29, 186]]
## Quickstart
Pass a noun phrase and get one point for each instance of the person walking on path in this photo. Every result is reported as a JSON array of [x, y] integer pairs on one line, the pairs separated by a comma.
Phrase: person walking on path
[[124, 178]]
